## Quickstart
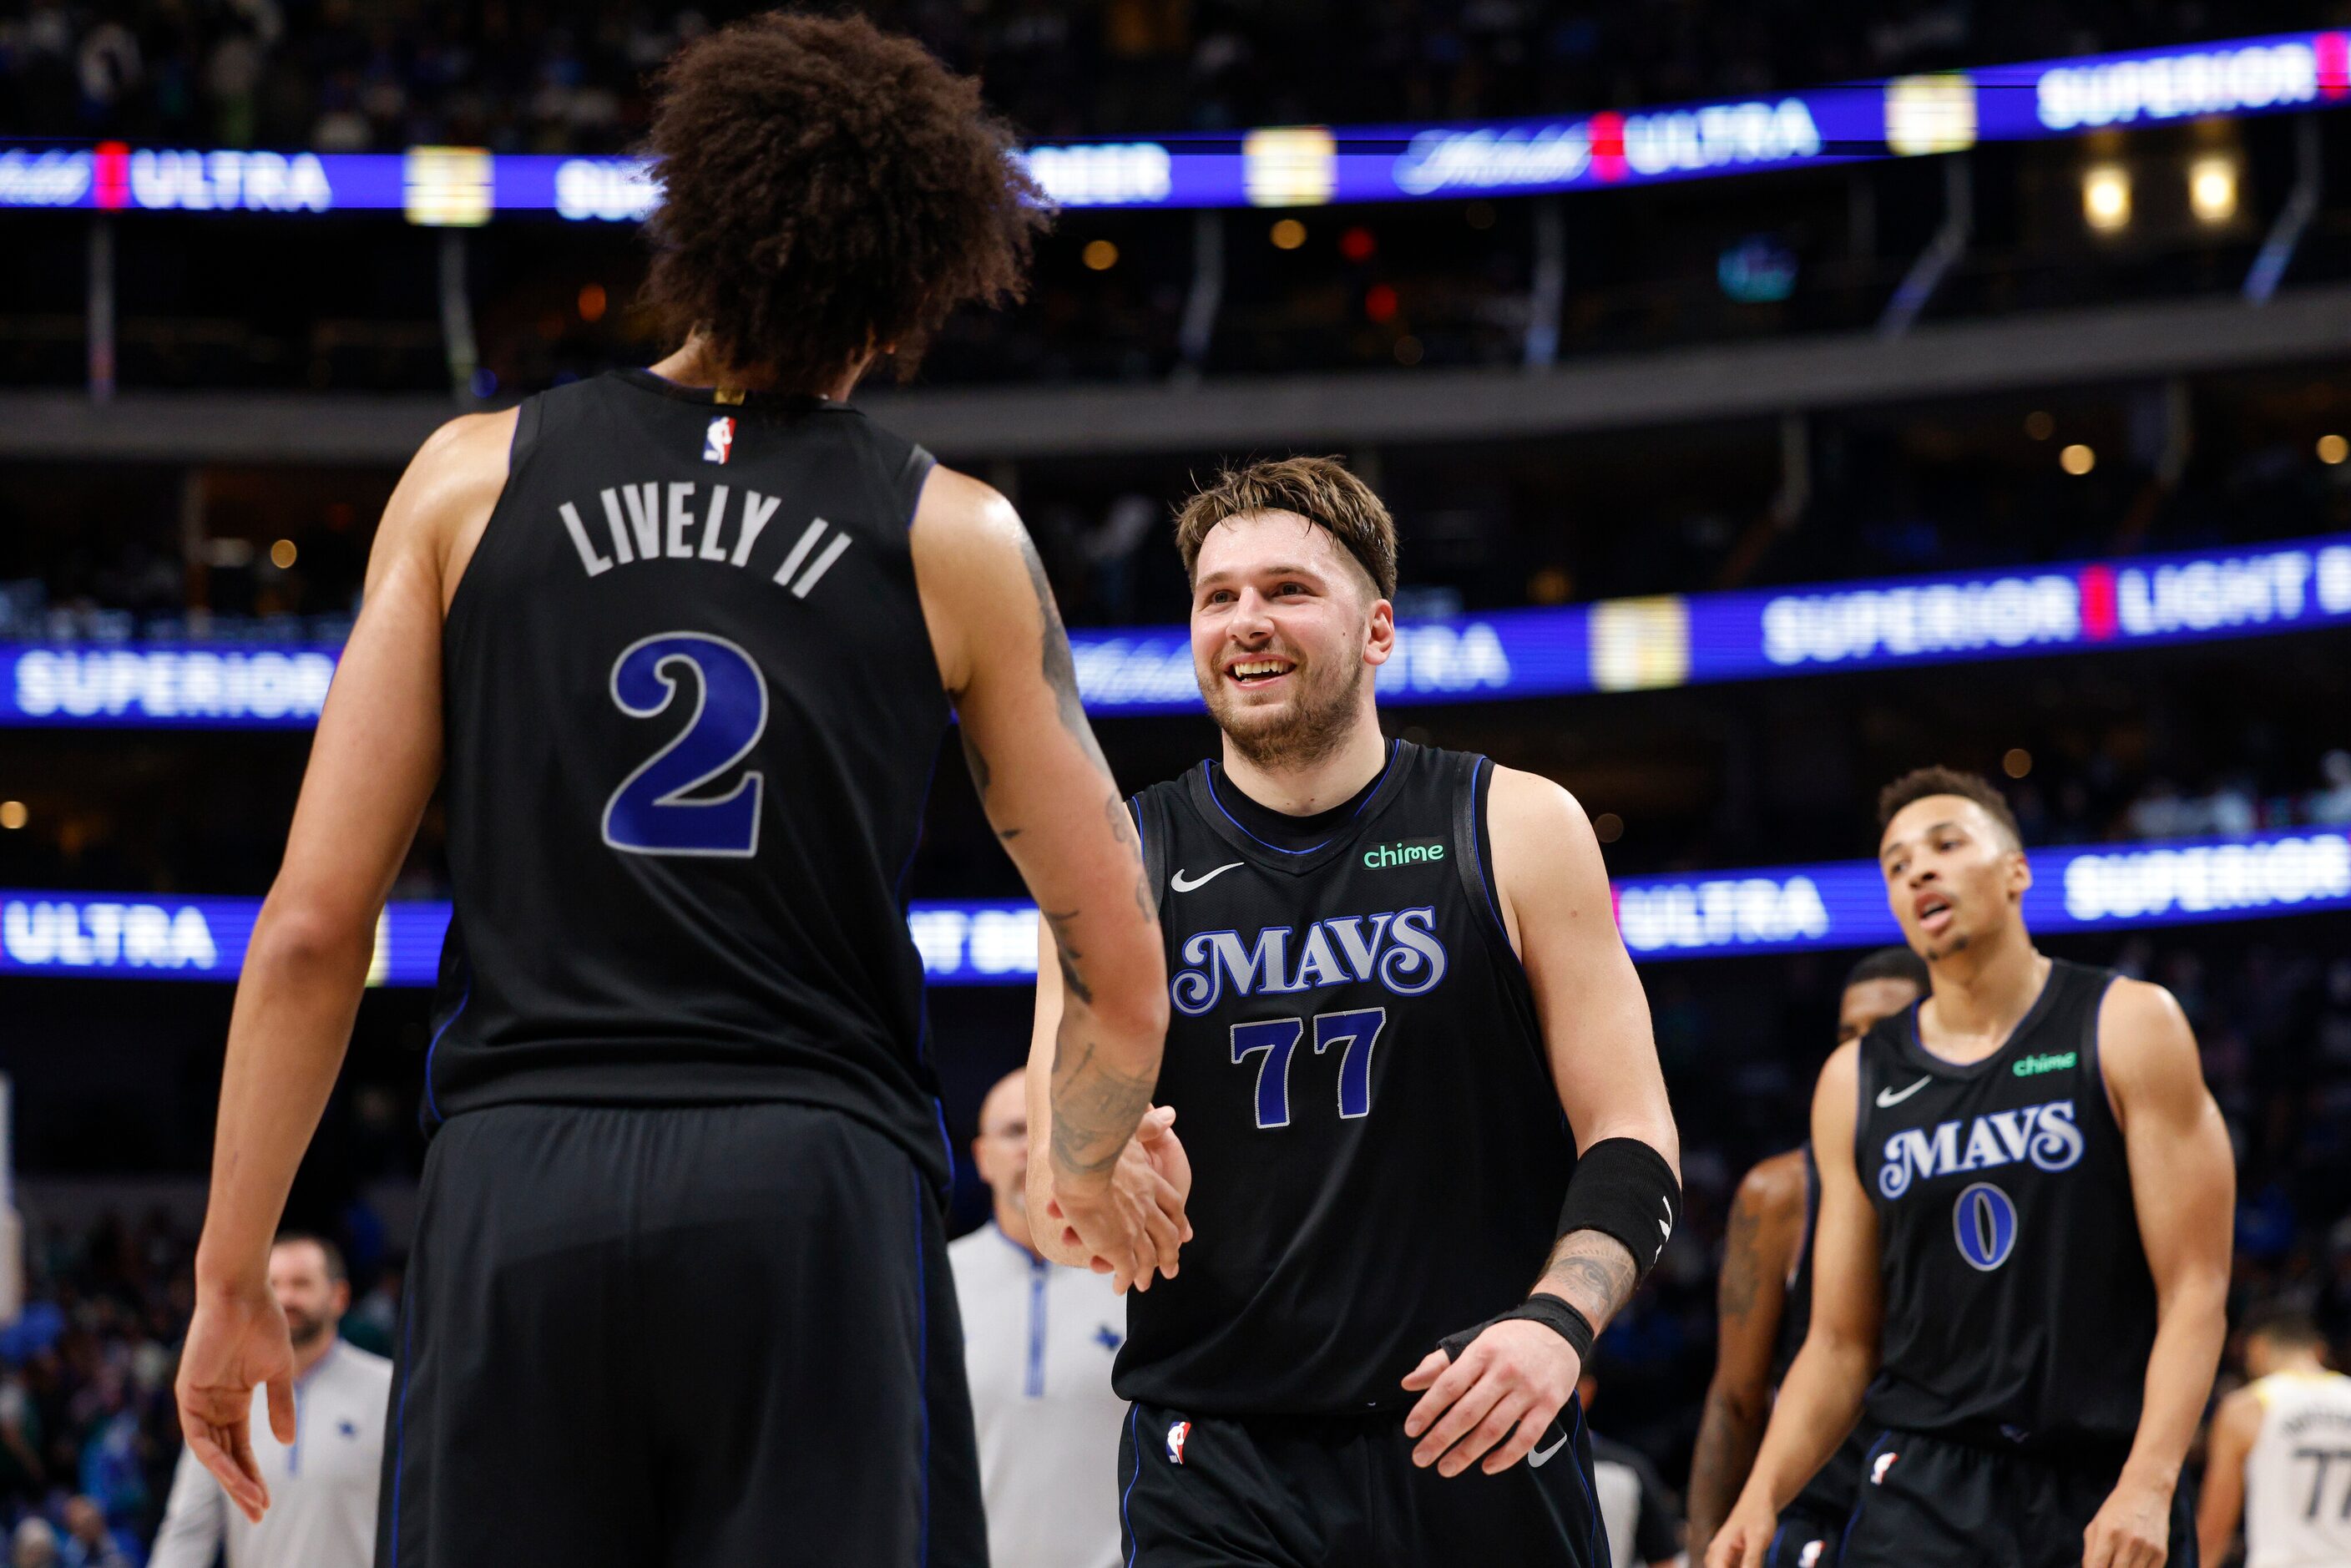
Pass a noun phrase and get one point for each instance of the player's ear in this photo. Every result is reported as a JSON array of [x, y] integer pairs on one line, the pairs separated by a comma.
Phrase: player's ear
[[1379, 645], [2020, 873]]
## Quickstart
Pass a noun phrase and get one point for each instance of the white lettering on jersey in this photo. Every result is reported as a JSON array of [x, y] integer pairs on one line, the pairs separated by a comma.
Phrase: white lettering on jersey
[[2046, 1135]]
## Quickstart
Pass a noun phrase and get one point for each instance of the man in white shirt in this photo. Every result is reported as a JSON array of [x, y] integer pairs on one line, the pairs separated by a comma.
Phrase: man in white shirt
[[1039, 1340], [322, 1488]]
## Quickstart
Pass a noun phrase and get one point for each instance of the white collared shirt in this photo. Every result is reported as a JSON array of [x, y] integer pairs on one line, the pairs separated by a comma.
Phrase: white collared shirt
[[1039, 1340], [322, 1486]]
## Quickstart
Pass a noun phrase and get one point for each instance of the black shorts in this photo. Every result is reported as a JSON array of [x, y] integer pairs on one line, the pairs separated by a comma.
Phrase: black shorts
[[1928, 1502], [1807, 1538], [1308, 1491], [695, 1336]]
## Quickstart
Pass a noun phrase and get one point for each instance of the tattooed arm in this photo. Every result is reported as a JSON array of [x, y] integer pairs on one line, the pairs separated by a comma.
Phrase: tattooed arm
[[1552, 896], [1767, 1225], [1003, 656]]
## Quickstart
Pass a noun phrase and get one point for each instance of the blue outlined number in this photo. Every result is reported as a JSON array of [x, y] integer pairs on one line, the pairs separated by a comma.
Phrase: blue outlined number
[[655, 811], [1354, 1033], [1984, 1224], [1278, 1038]]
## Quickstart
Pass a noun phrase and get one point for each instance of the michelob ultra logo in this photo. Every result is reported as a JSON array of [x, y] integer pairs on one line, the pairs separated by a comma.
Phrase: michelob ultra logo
[[1403, 852]]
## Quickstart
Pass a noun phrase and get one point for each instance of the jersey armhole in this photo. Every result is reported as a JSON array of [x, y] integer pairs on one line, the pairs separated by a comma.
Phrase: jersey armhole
[[1471, 791], [531, 419], [914, 477], [1154, 845], [2094, 1065]]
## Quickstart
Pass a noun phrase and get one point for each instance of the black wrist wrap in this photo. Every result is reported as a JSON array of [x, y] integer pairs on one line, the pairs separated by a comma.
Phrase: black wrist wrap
[[1623, 1188], [1551, 1311]]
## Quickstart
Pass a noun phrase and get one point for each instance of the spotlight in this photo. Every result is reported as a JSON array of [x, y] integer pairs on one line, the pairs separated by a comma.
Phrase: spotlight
[[2332, 449], [2212, 189], [2106, 197], [1286, 234], [2017, 763], [281, 554], [2077, 459], [13, 815], [1101, 256]]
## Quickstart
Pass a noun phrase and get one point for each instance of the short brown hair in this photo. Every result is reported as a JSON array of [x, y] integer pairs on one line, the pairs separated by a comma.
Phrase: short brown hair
[[1921, 782], [1319, 489], [829, 191]]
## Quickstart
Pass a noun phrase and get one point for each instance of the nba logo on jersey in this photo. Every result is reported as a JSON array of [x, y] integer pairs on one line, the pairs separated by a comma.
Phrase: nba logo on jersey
[[720, 441], [1176, 1432], [1884, 1462]]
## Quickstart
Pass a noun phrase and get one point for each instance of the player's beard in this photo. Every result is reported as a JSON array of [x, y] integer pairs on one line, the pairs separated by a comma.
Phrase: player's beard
[[1302, 731], [302, 1330]]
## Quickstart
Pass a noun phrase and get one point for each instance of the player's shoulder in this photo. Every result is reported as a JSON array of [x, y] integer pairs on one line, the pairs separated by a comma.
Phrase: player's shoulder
[[1774, 1183], [1533, 820], [2143, 1036], [959, 511]]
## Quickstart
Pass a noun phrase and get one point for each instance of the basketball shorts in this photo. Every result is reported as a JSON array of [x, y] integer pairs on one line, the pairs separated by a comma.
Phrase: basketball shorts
[[688, 1336], [1806, 1539], [1306, 1491], [1928, 1502]]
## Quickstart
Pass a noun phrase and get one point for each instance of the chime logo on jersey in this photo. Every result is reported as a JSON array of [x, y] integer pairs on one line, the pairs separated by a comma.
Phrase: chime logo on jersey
[[2046, 1134], [718, 443], [1176, 1432], [1399, 949]]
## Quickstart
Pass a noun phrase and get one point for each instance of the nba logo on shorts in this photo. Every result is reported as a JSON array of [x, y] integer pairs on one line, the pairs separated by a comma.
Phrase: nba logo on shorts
[[1877, 1470], [720, 441], [1176, 1432], [1811, 1556]]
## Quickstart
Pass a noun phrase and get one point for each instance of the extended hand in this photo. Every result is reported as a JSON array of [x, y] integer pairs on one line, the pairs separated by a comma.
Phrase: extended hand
[[1745, 1538], [236, 1341], [1517, 1375], [1141, 1210], [2131, 1530]]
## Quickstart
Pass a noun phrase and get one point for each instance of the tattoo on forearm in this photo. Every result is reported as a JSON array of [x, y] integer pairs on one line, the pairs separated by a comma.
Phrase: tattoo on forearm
[[1122, 828], [1741, 1277], [1595, 1273], [982, 777], [1095, 1107]]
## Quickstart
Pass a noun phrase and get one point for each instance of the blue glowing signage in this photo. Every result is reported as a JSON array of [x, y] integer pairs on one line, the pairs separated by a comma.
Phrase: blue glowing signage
[[1290, 166], [1619, 644], [1777, 909]]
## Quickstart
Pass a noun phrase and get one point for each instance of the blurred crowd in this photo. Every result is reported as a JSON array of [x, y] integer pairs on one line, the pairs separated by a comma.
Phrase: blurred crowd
[[357, 74]]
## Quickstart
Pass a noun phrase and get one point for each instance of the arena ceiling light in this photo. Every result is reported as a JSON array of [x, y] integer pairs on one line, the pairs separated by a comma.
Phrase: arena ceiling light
[[2212, 188], [2106, 197]]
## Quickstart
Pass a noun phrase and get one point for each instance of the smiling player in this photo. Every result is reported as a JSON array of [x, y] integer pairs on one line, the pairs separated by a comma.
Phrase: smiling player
[[2025, 1203], [1393, 968]]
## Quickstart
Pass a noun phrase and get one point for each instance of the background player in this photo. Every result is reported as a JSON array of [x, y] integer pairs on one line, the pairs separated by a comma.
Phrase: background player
[[1764, 1302], [1393, 968], [2026, 1197], [686, 1131], [2279, 1454]]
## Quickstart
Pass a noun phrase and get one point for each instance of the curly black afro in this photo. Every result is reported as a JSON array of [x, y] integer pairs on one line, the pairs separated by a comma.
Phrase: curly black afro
[[829, 192]]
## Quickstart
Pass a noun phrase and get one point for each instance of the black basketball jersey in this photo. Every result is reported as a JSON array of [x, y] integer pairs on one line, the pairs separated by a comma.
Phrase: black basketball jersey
[[1378, 1153], [2019, 1307], [691, 710]]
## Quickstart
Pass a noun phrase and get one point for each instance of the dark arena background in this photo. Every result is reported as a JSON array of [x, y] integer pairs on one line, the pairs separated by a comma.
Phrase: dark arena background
[[1771, 397]]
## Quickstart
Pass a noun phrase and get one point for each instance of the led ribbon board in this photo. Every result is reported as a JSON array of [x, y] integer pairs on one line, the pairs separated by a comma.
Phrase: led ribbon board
[[1767, 910], [1623, 644], [1295, 166]]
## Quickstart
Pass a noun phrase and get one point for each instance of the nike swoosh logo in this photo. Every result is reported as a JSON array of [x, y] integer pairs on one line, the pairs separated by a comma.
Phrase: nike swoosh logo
[[1887, 1099], [1183, 883], [1666, 1226], [1541, 1457]]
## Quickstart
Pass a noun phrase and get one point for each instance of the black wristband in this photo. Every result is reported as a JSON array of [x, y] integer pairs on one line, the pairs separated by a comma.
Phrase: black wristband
[[1623, 1188], [1559, 1316]]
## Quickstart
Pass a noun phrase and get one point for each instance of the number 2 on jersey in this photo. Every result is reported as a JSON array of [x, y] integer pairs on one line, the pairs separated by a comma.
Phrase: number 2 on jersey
[[1354, 1033], [653, 812]]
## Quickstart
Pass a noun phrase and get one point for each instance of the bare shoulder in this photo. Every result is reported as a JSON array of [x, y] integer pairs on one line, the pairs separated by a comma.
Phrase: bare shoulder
[[1538, 830], [1775, 1186], [444, 499], [1833, 1114], [2145, 1041], [2240, 1413], [959, 513]]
